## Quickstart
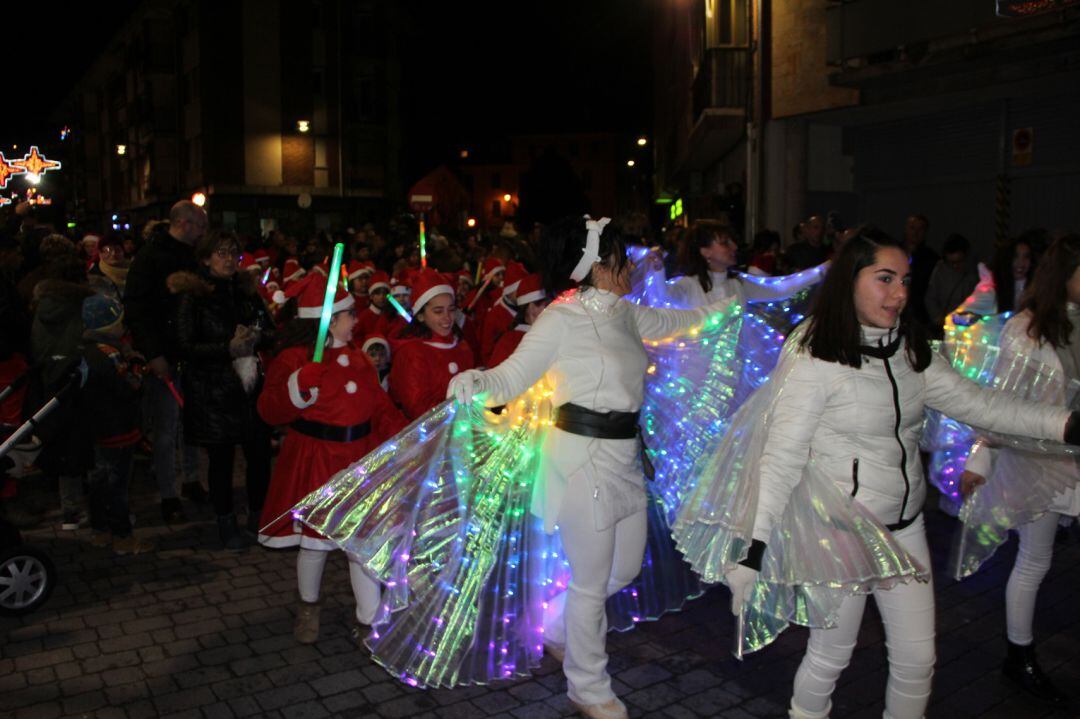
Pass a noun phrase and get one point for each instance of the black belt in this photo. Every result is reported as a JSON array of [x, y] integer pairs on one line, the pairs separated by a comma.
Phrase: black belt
[[602, 425], [903, 523], [331, 432]]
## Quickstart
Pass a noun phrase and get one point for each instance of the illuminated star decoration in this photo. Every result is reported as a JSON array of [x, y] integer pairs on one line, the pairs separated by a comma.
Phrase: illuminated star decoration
[[35, 163], [8, 170]]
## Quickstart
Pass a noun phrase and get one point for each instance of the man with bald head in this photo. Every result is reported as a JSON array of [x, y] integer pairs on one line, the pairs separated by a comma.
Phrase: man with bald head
[[150, 311]]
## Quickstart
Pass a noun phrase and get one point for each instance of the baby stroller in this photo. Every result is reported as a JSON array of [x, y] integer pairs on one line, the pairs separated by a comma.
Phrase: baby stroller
[[27, 574]]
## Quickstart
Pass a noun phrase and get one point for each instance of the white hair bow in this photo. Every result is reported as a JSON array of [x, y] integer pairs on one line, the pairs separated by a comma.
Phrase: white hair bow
[[590, 254]]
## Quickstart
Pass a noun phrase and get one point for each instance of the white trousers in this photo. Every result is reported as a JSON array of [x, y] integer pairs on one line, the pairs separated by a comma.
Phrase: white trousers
[[1032, 563], [908, 613], [309, 571], [602, 562]]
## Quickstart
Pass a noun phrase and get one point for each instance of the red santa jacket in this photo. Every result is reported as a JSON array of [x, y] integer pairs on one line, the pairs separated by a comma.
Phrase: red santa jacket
[[367, 323], [348, 395], [421, 372], [500, 318], [507, 344]]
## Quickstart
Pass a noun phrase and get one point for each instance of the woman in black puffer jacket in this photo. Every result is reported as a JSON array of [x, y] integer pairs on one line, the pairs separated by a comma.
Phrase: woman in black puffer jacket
[[221, 324]]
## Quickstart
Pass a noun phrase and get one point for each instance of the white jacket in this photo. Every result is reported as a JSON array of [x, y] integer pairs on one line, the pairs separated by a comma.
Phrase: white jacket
[[860, 428], [1022, 466], [589, 344]]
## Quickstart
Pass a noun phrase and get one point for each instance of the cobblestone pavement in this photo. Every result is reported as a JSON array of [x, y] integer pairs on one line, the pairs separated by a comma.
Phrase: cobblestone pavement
[[194, 631]]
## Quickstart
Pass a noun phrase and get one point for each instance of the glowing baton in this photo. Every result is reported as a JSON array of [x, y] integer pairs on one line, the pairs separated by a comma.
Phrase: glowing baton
[[344, 278], [328, 302], [266, 276], [400, 310], [423, 243]]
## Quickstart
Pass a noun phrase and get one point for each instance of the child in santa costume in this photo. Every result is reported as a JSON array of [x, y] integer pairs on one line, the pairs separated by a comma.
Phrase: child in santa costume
[[392, 324], [359, 274], [503, 313], [432, 351], [367, 320], [483, 297], [377, 348], [335, 412], [531, 301]]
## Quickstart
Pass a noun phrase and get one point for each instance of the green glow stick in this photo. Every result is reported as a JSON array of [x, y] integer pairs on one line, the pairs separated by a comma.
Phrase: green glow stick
[[328, 301], [400, 310]]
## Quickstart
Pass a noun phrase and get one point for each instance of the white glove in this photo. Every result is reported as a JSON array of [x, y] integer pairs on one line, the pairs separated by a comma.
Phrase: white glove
[[466, 385], [740, 581]]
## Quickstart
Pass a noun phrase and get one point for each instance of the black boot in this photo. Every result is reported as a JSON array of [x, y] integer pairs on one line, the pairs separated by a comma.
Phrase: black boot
[[1022, 667], [232, 537]]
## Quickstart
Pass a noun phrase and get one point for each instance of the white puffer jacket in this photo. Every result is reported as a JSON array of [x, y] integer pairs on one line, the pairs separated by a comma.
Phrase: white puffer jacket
[[860, 428]]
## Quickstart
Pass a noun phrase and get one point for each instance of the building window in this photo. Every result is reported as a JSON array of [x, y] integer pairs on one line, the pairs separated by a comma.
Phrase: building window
[[365, 98], [496, 208], [318, 82]]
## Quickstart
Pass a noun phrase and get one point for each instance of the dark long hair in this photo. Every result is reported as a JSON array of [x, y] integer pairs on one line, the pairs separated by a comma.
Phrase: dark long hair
[[1046, 296], [560, 251], [833, 333], [701, 234], [296, 331]]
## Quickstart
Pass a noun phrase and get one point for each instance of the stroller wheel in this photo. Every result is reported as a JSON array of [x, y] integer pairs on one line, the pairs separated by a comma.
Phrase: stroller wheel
[[27, 578]]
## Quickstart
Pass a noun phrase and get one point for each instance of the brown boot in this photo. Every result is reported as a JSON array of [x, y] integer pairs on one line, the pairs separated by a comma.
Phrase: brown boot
[[306, 629]]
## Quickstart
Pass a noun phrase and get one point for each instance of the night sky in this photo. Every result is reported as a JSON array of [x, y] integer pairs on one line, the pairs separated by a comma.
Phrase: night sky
[[470, 71]]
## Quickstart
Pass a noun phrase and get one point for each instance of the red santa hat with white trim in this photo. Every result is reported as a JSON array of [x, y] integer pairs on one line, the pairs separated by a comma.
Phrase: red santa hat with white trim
[[379, 280], [493, 264], [427, 284], [531, 289], [355, 269], [310, 292], [376, 340], [515, 271]]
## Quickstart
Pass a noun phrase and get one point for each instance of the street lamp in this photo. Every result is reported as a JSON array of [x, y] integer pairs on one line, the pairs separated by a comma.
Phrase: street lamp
[[642, 141], [121, 149], [507, 197], [630, 163], [199, 198], [471, 222], [303, 125]]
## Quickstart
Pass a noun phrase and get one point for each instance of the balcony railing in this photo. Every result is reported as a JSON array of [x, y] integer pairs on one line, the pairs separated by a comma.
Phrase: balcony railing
[[722, 79]]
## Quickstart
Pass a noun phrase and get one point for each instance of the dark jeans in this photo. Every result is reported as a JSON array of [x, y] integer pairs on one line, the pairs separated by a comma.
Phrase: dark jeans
[[220, 472], [108, 482]]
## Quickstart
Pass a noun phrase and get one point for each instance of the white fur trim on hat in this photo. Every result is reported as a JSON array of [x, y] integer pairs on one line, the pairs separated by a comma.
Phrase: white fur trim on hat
[[371, 288], [510, 288], [375, 341], [355, 273], [343, 360], [295, 396], [423, 299], [314, 313], [536, 296]]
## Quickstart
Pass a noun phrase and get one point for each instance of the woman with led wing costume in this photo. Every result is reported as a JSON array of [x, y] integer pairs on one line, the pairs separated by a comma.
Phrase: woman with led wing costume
[[816, 490], [1026, 488]]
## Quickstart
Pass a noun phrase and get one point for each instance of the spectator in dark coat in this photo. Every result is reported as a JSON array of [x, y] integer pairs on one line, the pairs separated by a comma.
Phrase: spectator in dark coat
[[221, 324], [953, 279], [923, 262], [151, 311]]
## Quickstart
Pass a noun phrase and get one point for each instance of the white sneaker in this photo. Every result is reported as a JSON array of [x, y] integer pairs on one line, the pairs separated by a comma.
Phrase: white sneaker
[[611, 709]]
